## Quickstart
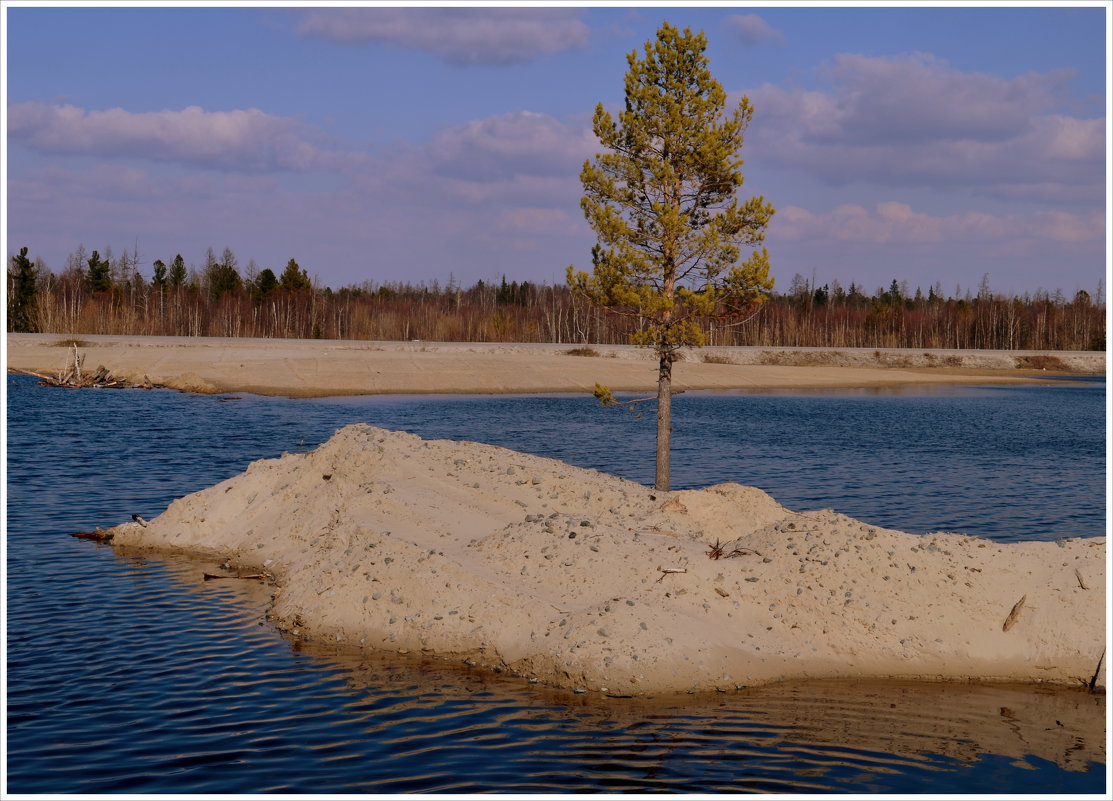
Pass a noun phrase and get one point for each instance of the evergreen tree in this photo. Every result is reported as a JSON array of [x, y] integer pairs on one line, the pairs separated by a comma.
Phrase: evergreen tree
[[222, 279], [22, 277], [99, 275], [662, 202], [177, 275], [222, 276], [159, 279], [264, 284], [293, 277]]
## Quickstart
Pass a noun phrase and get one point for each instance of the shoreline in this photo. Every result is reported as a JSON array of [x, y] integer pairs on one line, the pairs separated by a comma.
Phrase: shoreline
[[583, 581], [324, 368]]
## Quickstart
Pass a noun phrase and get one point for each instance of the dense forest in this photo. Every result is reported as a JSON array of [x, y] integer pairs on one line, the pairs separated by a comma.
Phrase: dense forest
[[98, 293]]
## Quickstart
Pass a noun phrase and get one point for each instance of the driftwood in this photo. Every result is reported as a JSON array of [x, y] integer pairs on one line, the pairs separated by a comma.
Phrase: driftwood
[[100, 535], [72, 377]]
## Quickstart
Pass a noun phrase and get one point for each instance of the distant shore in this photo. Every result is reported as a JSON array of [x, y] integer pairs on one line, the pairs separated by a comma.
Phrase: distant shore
[[317, 368]]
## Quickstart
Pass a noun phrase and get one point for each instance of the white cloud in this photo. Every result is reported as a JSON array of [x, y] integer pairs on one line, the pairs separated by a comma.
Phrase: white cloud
[[504, 145], [895, 223], [922, 98], [465, 36], [750, 29], [242, 140], [917, 121]]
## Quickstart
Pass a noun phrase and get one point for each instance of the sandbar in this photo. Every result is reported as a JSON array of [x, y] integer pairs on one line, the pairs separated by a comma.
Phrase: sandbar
[[584, 581], [317, 368]]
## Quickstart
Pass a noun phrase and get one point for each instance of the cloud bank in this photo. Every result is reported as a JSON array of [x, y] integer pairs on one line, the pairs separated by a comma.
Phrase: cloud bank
[[893, 222], [916, 121], [500, 193], [461, 36], [242, 140]]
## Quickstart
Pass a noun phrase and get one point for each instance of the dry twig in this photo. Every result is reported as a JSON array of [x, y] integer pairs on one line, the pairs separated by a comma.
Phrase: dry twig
[[1010, 621]]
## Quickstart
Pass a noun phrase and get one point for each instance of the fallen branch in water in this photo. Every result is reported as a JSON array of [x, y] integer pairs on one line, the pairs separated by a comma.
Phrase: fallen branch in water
[[255, 576], [99, 535]]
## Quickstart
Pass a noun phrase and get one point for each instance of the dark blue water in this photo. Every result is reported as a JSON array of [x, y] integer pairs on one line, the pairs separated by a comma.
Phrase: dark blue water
[[127, 673]]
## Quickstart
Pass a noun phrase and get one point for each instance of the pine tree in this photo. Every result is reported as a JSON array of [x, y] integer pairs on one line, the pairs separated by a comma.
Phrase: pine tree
[[99, 276], [264, 284], [293, 277], [662, 202], [21, 296], [177, 274]]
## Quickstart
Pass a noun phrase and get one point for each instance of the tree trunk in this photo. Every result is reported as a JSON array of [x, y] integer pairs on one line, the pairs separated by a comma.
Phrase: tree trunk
[[664, 419]]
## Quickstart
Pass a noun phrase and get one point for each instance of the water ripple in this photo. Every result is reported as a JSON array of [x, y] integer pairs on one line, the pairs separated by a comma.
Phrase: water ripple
[[128, 673]]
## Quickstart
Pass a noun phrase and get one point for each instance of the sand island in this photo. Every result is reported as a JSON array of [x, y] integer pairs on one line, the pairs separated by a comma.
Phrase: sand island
[[589, 582]]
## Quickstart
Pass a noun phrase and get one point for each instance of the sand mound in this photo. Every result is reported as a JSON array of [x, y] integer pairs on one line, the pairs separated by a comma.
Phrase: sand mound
[[528, 565]]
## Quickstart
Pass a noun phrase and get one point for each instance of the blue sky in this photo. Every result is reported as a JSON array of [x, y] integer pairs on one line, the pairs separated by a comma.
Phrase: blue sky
[[927, 145]]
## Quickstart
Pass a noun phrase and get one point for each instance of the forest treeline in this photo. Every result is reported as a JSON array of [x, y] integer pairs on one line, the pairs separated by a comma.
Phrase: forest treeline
[[98, 293]]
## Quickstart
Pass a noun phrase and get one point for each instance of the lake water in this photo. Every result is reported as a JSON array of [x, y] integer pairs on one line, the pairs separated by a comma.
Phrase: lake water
[[128, 673]]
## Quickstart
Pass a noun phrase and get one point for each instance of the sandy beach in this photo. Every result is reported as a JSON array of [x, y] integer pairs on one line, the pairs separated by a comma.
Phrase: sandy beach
[[316, 368]]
